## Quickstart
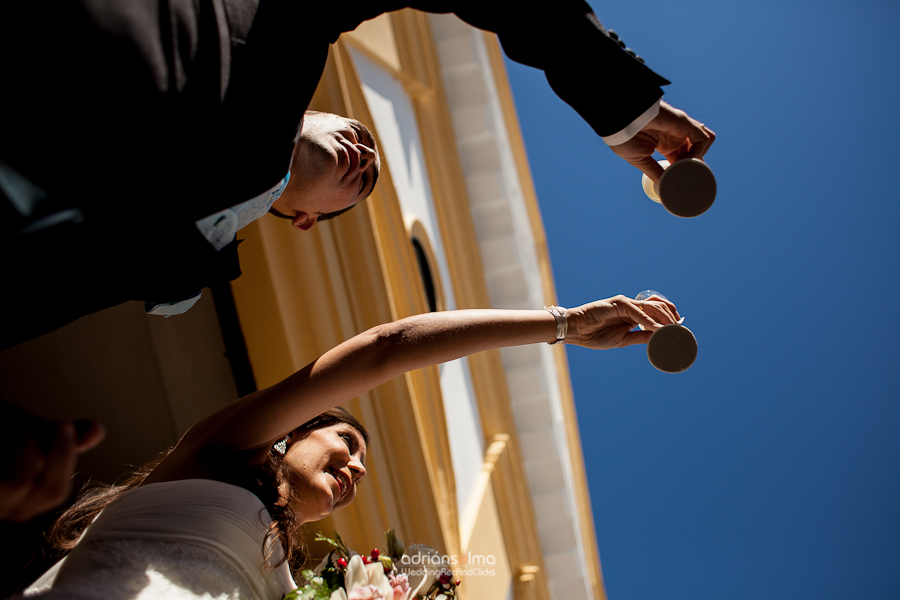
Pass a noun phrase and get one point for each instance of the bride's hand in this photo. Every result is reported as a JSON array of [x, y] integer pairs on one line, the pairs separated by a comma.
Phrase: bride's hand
[[608, 323]]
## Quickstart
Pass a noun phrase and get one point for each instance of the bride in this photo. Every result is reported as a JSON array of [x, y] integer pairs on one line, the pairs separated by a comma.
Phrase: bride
[[218, 516]]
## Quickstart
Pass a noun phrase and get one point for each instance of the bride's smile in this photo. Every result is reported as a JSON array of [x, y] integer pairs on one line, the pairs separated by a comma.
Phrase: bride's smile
[[326, 465]]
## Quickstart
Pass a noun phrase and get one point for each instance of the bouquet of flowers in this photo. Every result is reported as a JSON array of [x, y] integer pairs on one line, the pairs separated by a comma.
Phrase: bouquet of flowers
[[415, 572]]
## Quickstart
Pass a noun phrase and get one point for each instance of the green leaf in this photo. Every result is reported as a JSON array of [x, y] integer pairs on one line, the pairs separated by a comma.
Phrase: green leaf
[[395, 547]]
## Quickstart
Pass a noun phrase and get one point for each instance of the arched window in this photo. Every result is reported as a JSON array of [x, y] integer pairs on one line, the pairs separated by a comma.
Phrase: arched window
[[428, 271]]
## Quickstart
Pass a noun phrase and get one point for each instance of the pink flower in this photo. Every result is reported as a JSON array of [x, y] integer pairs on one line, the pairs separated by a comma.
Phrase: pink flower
[[366, 592], [400, 585]]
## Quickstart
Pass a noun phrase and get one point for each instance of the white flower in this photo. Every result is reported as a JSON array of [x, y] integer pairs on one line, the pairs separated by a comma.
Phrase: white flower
[[360, 577], [323, 564]]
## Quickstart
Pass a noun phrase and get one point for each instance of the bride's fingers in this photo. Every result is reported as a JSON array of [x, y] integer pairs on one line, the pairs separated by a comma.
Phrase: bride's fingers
[[660, 311], [665, 301], [632, 312], [672, 308], [631, 338]]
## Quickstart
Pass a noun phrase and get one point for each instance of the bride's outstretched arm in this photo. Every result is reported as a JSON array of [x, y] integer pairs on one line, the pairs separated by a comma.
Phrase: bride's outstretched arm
[[381, 353]]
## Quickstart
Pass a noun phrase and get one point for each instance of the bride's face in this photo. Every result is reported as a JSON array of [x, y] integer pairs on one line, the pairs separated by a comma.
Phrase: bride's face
[[325, 465]]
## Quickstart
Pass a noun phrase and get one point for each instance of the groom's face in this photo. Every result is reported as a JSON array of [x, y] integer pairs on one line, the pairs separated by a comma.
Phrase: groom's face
[[334, 166]]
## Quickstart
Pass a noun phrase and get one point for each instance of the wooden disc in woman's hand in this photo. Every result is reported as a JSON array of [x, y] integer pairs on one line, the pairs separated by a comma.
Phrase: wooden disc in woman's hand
[[672, 349]]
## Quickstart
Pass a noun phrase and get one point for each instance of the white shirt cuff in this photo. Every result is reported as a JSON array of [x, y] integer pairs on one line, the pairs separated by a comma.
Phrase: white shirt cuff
[[632, 130]]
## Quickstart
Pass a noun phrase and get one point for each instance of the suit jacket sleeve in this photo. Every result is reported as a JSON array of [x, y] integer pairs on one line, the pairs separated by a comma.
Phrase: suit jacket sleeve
[[589, 70]]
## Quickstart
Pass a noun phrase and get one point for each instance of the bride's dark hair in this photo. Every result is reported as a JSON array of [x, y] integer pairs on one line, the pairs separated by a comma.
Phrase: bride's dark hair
[[264, 482]]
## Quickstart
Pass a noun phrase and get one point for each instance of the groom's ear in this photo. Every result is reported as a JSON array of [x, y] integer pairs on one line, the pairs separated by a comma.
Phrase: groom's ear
[[303, 221]]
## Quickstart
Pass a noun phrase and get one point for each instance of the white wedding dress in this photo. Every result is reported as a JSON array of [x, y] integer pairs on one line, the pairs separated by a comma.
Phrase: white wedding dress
[[178, 540]]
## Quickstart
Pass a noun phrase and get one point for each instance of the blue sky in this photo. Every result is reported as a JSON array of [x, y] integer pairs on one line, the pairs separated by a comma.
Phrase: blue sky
[[771, 469]]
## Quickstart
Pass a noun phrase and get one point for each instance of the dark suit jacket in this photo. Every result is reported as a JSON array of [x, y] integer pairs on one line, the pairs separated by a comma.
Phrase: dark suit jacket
[[150, 114]]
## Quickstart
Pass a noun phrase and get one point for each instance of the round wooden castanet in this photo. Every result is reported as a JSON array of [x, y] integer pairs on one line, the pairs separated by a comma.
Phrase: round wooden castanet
[[687, 188], [672, 349]]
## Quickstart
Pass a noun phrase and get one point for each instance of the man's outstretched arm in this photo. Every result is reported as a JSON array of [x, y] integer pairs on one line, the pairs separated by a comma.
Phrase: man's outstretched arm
[[592, 70]]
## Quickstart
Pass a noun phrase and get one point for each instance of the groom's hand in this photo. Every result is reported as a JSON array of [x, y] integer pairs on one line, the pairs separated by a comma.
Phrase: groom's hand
[[673, 134]]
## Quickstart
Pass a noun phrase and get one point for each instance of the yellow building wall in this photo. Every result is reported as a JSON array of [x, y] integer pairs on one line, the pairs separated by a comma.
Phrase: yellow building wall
[[485, 561]]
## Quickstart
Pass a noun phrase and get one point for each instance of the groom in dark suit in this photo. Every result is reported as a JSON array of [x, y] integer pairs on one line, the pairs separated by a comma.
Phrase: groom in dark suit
[[127, 122]]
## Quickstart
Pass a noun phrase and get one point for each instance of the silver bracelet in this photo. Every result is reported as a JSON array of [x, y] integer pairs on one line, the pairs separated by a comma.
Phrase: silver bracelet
[[562, 325]]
